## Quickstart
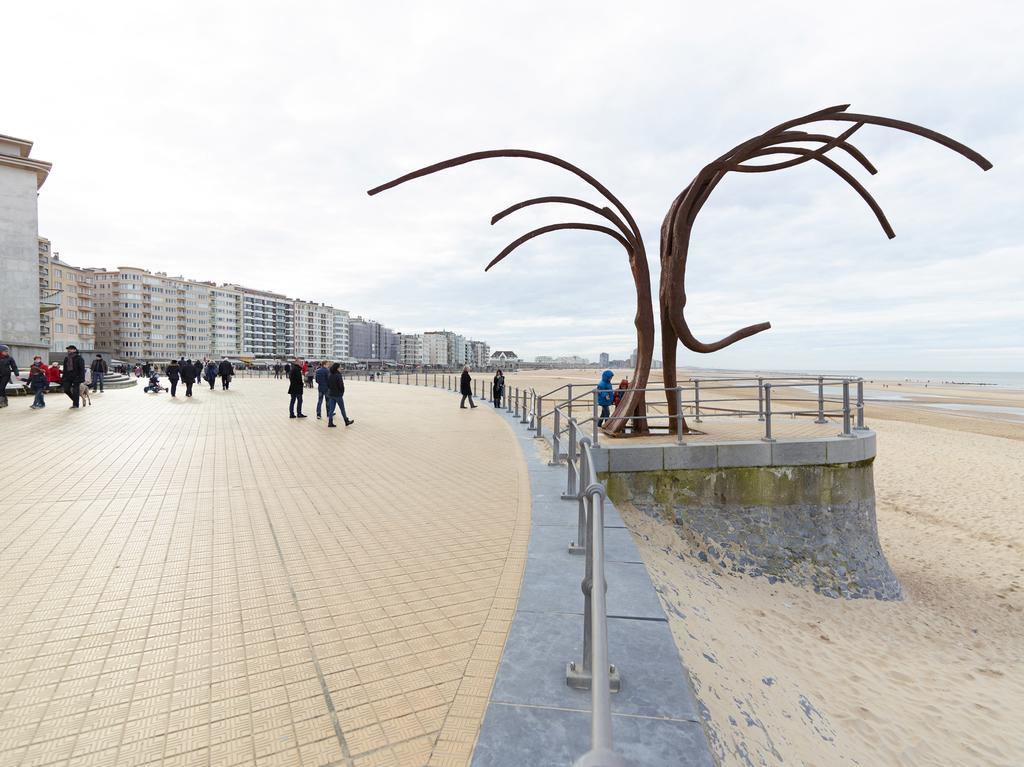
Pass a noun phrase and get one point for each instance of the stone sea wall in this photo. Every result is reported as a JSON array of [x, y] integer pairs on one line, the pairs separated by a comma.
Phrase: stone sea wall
[[811, 525]]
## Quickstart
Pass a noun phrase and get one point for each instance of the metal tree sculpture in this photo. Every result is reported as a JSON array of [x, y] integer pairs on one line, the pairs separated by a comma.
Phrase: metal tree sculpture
[[626, 233], [678, 224]]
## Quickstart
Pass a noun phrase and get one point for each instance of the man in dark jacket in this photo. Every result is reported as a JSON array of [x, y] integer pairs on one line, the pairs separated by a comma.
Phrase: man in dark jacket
[[336, 395], [8, 370], [198, 365], [173, 373], [466, 387], [99, 369], [188, 376], [295, 389], [226, 370], [73, 374]]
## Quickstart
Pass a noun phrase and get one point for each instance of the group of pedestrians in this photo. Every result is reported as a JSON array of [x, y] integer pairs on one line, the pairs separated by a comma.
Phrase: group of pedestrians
[[330, 386], [189, 373], [466, 388], [71, 375]]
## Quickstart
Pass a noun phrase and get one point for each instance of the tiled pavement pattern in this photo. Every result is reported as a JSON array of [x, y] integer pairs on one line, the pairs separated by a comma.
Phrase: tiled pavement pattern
[[207, 582]]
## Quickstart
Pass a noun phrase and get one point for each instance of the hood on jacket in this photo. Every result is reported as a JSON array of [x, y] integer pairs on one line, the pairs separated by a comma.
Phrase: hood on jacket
[[606, 376]]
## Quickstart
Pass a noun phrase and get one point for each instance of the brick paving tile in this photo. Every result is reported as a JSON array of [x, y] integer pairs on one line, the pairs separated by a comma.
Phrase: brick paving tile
[[205, 581]]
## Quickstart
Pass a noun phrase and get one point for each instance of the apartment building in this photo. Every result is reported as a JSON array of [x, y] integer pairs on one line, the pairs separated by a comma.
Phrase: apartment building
[[371, 341], [410, 350], [225, 321], [313, 330], [66, 311], [478, 354], [142, 315], [268, 323], [341, 344], [435, 349]]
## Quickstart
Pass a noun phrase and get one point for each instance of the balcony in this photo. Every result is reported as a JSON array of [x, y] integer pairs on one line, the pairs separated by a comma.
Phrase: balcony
[[50, 300]]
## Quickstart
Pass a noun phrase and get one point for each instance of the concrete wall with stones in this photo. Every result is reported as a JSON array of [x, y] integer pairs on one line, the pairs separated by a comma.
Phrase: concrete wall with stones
[[812, 525]]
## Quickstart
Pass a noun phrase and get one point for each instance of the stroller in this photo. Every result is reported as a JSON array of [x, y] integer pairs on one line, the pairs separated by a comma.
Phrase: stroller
[[154, 385]]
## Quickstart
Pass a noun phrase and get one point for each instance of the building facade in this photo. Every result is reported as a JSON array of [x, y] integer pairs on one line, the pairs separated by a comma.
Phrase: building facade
[[268, 324], [479, 354], [435, 349], [66, 295], [225, 321], [369, 341], [341, 351], [20, 180], [410, 350], [142, 315], [313, 330]]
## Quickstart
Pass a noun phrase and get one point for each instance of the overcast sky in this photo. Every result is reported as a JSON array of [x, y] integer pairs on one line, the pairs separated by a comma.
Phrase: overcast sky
[[236, 141]]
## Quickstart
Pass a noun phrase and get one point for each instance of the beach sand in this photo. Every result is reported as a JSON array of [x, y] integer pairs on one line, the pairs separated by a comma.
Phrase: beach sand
[[788, 677]]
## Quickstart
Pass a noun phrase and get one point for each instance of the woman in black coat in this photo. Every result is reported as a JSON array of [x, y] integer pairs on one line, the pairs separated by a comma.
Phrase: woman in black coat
[[498, 388], [173, 373], [466, 388], [295, 389], [188, 376]]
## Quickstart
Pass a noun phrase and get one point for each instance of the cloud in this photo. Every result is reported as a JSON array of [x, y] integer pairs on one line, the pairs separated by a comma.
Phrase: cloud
[[235, 141]]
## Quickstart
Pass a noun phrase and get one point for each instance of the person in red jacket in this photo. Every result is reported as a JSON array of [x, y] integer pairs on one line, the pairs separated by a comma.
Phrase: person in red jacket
[[623, 385], [53, 373]]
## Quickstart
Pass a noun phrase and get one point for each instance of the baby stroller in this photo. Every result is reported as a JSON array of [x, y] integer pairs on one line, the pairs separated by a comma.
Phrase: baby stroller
[[154, 385]]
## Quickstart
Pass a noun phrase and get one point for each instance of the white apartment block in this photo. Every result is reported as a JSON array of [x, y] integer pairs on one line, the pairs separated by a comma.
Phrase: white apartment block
[[479, 354], [143, 315], [267, 324], [411, 350], [341, 345], [313, 330], [225, 322], [435, 349]]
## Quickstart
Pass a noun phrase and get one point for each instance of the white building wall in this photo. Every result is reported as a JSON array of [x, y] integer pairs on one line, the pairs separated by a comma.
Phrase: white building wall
[[19, 263], [341, 346]]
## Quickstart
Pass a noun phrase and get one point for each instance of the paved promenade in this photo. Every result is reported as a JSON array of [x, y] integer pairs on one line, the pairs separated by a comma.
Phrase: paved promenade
[[206, 582]]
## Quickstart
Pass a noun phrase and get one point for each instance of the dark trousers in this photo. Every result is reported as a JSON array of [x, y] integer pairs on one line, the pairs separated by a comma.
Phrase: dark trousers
[[604, 415], [225, 382], [97, 380], [497, 398], [4, 380], [212, 380], [296, 398], [463, 403], [322, 395], [174, 386], [71, 389], [338, 402], [188, 388]]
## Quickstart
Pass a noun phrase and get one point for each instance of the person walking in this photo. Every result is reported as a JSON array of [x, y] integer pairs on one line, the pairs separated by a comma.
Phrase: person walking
[[308, 372], [295, 389], [73, 374], [99, 369], [38, 384], [198, 364], [498, 388], [336, 396], [211, 373], [322, 392], [8, 370], [605, 396], [173, 373], [277, 370], [226, 370], [466, 388], [188, 376]]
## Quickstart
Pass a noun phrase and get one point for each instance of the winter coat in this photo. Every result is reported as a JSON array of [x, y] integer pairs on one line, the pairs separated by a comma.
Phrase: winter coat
[[465, 383], [605, 391], [498, 387], [225, 370], [74, 369], [8, 367], [199, 369], [99, 365], [173, 372], [53, 374], [322, 374], [187, 372], [211, 371], [295, 380], [335, 385], [37, 380]]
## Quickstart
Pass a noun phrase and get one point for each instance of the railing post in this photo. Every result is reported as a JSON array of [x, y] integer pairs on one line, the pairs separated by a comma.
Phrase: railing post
[[539, 408], [571, 491], [570, 402], [594, 436], [696, 401], [768, 414], [821, 402], [860, 406], [846, 408], [760, 399], [525, 405], [555, 447], [679, 414]]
